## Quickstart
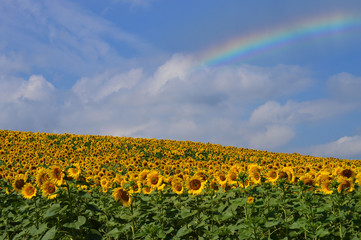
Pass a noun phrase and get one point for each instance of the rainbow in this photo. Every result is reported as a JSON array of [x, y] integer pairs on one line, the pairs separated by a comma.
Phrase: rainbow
[[257, 43]]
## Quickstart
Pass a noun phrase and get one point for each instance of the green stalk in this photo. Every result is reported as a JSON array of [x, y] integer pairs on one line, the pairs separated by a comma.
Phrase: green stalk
[[133, 222]]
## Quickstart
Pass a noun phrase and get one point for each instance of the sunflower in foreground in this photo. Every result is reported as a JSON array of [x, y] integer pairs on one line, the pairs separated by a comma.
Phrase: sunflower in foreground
[[326, 187], [48, 189], [195, 185], [177, 186], [56, 175], [28, 191], [41, 176], [75, 171], [19, 182], [154, 179], [346, 186], [122, 195]]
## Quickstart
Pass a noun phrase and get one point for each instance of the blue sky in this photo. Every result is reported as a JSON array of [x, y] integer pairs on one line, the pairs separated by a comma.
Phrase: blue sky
[[133, 68]]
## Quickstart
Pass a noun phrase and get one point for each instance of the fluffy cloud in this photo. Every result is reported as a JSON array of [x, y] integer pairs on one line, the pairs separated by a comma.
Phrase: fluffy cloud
[[274, 136], [344, 147], [345, 86], [292, 113], [103, 85]]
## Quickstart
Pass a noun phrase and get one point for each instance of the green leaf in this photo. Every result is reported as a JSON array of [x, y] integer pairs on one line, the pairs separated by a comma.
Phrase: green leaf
[[81, 221], [33, 231], [54, 210], [271, 224], [50, 234], [299, 224], [322, 232], [183, 231]]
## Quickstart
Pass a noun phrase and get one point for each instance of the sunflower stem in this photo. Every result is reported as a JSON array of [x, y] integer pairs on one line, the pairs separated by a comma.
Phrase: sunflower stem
[[133, 222]]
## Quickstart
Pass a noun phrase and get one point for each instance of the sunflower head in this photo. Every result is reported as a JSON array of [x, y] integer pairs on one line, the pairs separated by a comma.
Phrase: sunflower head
[[154, 179], [74, 171], [347, 173], [48, 189], [41, 176], [19, 182], [28, 191], [195, 185], [177, 186], [345, 186], [122, 195], [56, 175]]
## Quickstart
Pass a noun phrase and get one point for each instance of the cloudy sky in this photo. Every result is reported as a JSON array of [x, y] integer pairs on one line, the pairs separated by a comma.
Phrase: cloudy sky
[[282, 76]]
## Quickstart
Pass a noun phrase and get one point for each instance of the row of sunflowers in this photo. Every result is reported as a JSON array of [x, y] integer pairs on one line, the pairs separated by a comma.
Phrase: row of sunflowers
[[40, 162], [71, 185]]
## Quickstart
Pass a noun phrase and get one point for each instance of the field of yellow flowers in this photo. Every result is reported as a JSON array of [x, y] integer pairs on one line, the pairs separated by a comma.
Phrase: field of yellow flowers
[[65, 186]]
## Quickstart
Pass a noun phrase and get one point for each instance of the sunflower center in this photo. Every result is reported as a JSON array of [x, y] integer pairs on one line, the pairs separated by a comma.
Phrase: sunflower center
[[51, 189], [195, 184], [124, 195], [346, 173], [154, 180], [19, 184]]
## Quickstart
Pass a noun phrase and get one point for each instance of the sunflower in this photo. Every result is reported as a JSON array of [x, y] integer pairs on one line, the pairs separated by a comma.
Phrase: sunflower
[[41, 176], [221, 178], [147, 190], [120, 194], [19, 182], [154, 179], [323, 176], [347, 173], [325, 187], [28, 191], [250, 200], [346, 186], [308, 181], [48, 189], [253, 168], [287, 173], [255, 177], [232, 177], [56, 175], [75, 171], [195, 185], [177, 186], [272, 176]]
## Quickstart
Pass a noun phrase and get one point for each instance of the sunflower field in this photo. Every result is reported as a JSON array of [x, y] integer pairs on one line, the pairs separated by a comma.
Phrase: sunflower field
[[66, 186]]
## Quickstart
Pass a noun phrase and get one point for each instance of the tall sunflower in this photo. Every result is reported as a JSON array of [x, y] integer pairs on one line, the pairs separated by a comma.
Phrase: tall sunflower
[[154, 179], [56, 175], [42, 175], [177, 186], [346, 186], [28, 191], [325, 187], [48, 189], [272, 176], [19, 182], [75, 171], [195, 185], [122, 195]]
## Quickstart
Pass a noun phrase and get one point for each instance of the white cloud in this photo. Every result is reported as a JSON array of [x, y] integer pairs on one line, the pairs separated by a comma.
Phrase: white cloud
[[103, 85], [176, 68], [37, 89], [274, 136], [345, 147], [297, 112], [345, 86]]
